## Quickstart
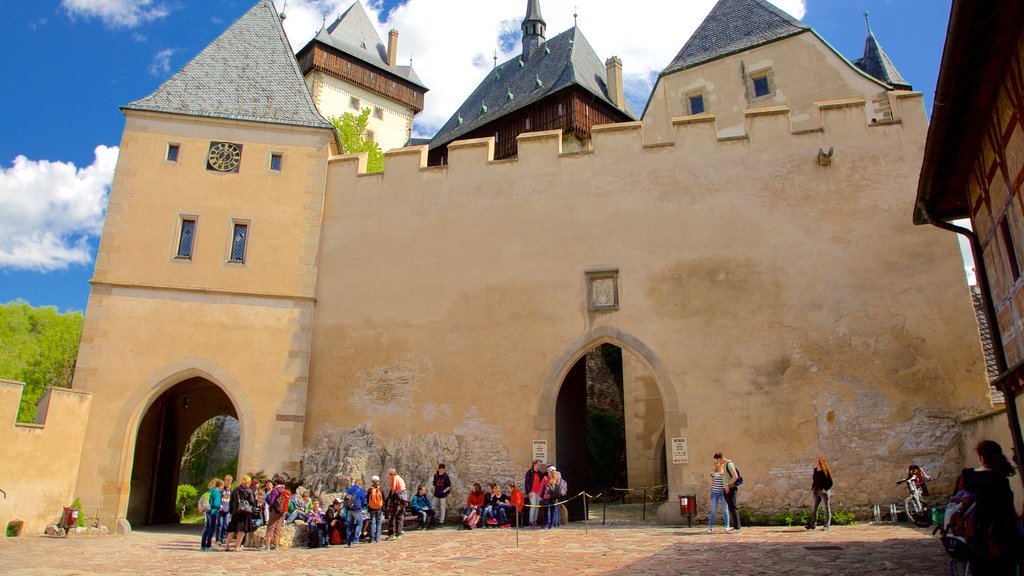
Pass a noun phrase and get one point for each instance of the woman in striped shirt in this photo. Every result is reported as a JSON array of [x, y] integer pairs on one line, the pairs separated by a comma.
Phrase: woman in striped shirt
[[718, 497]]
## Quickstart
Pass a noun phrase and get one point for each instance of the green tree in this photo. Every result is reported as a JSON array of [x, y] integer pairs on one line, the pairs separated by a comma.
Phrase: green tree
[[352, 130], [38, 346]]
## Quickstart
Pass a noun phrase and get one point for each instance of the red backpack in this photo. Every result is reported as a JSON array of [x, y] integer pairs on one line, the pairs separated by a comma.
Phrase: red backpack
[[281, 506]]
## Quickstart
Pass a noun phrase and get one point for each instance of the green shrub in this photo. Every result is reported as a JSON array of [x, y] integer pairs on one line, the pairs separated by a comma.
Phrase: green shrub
[[187, 497], [81, 512], [792, 518]]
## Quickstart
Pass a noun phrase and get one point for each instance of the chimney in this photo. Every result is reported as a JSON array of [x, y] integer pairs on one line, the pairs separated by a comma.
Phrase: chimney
[[392, 47], [615, 94]]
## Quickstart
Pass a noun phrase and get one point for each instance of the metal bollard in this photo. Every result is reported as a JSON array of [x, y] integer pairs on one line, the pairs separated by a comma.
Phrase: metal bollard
[[893, 513], [877, 513]]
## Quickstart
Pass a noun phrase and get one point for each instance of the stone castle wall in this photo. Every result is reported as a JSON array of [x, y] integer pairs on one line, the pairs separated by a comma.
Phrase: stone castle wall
[[41, 460]]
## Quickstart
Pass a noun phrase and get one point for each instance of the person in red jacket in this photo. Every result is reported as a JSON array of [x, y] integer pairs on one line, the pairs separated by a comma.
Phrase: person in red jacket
[[515, 503], [474, 505]]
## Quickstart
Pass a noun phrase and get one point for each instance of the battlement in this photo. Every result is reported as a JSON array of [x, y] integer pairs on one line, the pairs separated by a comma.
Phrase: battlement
[[837, 122], [41, 459]]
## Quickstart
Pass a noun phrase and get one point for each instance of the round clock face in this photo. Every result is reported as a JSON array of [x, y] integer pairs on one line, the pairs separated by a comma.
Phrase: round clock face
[[224, 157]]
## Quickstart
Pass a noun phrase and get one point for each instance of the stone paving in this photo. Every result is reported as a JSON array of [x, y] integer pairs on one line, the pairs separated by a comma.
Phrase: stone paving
[[627, 551]]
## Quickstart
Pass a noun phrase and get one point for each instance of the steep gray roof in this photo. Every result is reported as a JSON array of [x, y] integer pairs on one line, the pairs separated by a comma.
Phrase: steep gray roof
[[247, 73], [733, 26], [561, 62], [354, 34], [877, 63]]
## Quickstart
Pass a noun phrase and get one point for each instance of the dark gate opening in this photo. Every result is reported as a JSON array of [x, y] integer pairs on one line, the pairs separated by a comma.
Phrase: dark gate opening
[[163, 434]]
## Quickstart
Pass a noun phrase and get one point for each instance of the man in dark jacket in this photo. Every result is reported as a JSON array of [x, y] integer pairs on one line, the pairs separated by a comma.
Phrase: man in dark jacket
[[534, 485]]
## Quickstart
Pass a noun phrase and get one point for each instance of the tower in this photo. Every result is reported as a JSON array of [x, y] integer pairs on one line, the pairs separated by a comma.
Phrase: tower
[[533, 28]]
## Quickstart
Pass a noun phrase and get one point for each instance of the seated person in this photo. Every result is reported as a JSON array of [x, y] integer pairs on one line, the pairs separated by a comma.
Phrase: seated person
[[298, 507], [421, 506], [335, 522], [474, 506], [316, 525], [494, 516], [514, 507]]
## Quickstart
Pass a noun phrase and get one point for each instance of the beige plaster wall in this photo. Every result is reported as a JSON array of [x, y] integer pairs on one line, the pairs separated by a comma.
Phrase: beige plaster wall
[[40, 460], [786, 309], [332, 97], [153, 320], [993, 426], [802, 70]]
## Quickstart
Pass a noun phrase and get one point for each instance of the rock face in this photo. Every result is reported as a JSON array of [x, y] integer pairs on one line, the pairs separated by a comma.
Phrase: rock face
[[336, 456], [603, 392], [225, 449]]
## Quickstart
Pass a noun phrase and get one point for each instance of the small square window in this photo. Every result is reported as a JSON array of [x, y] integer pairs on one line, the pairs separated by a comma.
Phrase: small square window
[[761, 86], [172, 152], [378, 112], [696, 104], [353, 103], [186, 238], [275, 162], [238, 238], [370, 135]]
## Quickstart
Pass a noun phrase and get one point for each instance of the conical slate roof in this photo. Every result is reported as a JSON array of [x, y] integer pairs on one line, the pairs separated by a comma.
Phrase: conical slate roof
[[247, 73], [733, 26], [354, 34], [563, 61], [877, 63]]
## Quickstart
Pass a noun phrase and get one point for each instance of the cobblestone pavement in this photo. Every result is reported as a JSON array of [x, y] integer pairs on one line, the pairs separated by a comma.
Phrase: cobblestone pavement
[[632, 551]]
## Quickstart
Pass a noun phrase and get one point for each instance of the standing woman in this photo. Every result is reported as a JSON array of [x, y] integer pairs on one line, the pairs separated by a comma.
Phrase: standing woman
[[243, 504], [997, 529], [212, 514], [821, 486], [718, 497]]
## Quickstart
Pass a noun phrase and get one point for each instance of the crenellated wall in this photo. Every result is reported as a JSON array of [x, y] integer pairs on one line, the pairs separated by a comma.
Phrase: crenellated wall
[[781, 308], [41, 460]]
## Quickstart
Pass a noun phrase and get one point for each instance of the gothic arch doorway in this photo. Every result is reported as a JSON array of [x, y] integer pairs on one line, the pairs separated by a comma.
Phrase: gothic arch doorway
[[583, 425], [162, 436]]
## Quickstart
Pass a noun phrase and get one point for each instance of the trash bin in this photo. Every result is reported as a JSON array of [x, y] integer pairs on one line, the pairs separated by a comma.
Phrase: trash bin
[[688, 507]]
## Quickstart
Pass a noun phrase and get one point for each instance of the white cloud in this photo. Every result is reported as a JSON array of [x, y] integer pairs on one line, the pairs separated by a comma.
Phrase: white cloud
[[161, 65], [452, 42], [116, 13], [49, 210]]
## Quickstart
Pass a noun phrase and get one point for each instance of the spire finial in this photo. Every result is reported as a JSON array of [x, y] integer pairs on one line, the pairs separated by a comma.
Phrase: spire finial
[[868, 22], [495, 57], [284, 8], [575, 14]]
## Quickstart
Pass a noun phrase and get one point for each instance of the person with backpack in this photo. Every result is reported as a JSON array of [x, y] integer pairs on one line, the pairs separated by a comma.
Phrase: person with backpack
[[442, 488], [375, 507], [277, 504], [243, 507], [733, 481], [398, 499], [209, 504], [355, 499], [821, 490], [981, 515], [717, 498], [557, 489], [225, 510]]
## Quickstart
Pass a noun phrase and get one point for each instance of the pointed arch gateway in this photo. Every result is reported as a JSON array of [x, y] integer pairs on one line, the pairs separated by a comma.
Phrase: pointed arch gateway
[[650, 407], [157, 434]]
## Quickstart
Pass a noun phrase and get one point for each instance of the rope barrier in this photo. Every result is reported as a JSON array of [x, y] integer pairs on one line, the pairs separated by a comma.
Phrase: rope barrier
[[556, 503]]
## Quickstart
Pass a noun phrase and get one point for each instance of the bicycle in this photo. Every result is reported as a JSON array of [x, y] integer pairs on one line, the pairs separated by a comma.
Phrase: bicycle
[[917, 509]]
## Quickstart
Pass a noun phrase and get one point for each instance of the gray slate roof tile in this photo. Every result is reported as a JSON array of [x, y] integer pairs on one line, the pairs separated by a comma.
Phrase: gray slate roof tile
[[354, 34], [248, 73], [565, 60], [877, 63], [733, 26]]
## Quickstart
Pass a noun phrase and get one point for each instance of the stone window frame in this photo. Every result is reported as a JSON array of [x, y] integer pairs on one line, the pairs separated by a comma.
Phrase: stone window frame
[[378, 112], [769, 75], [173, 152], [598, 274], [690, 97], [184, 217], [354, 103], [279, 158], [232, 228]]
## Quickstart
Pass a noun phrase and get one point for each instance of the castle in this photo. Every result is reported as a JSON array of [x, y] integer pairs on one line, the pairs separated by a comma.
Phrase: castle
[[745, 244]]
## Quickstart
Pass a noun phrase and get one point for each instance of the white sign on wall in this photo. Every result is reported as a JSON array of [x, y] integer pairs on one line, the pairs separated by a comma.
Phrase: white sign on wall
[[680, 454], [540, 450]]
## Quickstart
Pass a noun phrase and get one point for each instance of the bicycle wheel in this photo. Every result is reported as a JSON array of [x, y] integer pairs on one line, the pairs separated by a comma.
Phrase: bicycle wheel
[[917, 513]]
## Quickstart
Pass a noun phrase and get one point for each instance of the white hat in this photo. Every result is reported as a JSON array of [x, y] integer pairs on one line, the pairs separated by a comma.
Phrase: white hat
[[375, 478], [552, 469]]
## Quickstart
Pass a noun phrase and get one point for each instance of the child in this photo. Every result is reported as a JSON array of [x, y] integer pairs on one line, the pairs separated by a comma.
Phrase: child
[[421, 506], [494, 514], [317, 527], [474, 507], [442, 488]]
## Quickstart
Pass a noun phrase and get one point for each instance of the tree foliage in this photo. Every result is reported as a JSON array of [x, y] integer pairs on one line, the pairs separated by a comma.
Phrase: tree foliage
[[38, 346], [352, 130]]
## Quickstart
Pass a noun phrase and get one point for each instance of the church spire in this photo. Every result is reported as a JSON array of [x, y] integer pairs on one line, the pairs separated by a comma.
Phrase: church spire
[[533, 28]]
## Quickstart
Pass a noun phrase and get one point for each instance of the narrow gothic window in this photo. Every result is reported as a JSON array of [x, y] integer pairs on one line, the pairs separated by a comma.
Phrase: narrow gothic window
[[1011, 252], [186, 238], [241, 232], [527, 123]]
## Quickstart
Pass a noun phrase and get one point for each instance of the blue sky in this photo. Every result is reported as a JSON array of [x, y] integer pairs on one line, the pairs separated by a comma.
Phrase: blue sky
[[69, 65]]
